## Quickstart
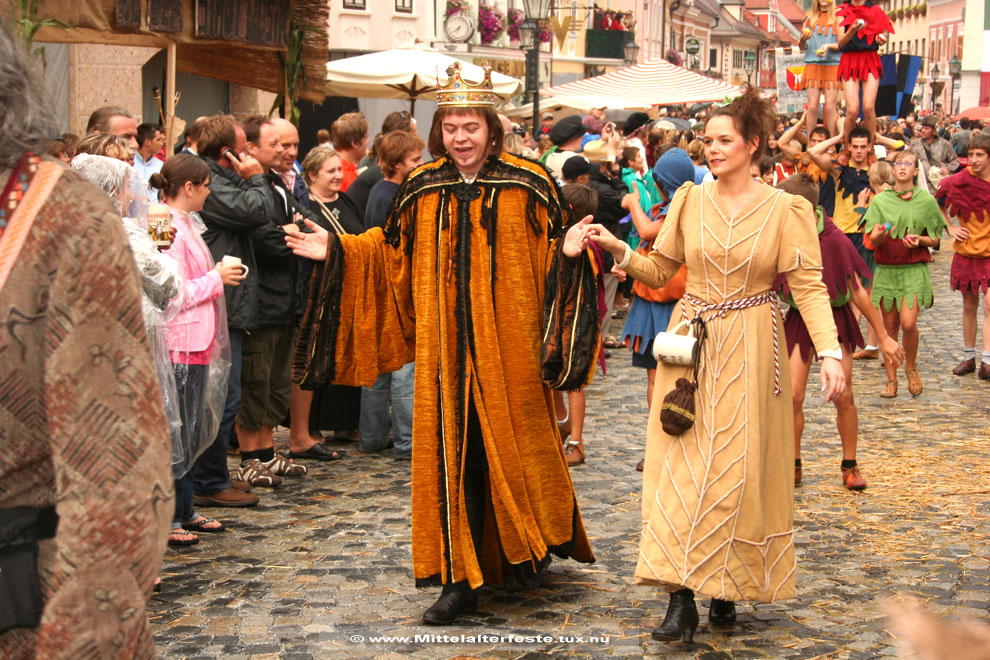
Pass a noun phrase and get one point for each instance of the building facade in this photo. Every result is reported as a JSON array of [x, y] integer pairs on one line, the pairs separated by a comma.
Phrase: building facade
[[945, 35]]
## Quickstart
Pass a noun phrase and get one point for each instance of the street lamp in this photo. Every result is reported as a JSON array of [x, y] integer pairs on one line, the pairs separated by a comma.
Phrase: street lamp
[[955, 70], [749, 64], [536, 13], [630, 49], [935, 73]]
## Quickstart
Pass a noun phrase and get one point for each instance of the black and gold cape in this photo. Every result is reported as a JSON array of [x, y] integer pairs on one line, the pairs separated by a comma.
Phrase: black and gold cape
[[468, 280]]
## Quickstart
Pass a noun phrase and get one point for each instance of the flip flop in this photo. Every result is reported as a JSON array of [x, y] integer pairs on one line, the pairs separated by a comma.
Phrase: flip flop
[[200, 526], [173, 541], [319, 452]]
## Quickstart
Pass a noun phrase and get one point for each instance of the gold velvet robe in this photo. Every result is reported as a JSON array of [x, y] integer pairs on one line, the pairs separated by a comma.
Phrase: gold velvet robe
[[457, 280], [718, 499]]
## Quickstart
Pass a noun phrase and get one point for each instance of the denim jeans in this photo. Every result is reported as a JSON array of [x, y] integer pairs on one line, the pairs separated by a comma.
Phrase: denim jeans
[[210, 474], [374, 424]]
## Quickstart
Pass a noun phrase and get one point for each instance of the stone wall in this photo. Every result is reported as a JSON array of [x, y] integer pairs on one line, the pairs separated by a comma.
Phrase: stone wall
[[104, 75]]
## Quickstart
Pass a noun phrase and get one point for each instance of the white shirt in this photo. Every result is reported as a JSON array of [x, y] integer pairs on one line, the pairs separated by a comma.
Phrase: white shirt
[[145, 169]]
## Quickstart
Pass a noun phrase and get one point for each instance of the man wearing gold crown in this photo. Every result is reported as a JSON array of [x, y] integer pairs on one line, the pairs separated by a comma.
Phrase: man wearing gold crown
[[477, 277]]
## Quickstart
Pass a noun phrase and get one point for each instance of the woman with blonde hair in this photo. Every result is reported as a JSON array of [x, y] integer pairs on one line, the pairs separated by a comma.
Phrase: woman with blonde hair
[[105, 144], [819, 36], [696, 150]]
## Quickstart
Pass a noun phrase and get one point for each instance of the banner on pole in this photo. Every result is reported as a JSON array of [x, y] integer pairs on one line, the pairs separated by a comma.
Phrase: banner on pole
[[791, 96]]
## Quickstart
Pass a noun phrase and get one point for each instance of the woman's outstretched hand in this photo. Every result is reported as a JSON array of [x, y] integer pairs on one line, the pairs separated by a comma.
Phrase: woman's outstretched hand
[[312, 246], [607, 241]]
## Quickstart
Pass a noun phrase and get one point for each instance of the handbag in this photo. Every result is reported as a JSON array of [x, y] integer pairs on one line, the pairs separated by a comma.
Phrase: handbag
[[677, 409]]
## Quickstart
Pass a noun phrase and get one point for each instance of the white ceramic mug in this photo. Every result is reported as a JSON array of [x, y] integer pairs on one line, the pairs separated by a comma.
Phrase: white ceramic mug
[[230, 260], [674, 348]]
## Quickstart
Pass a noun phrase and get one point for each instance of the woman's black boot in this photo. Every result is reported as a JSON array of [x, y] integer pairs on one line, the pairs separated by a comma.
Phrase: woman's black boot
[[455, 599], [681, 620], [721, 612]]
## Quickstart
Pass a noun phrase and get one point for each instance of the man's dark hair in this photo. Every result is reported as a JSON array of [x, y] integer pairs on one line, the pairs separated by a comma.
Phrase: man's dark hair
[[765, 164], [802, 185], [348, 130], [981, 142], [215, 133], [394, 148], [627, 155], [583, 200], [820, 130], [496, 134], [252, 127], [147, 132], [964, 123], [99, 121], [859, 132]]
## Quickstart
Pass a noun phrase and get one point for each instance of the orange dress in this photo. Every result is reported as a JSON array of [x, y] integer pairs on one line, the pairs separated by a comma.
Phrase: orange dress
[[821, 71]]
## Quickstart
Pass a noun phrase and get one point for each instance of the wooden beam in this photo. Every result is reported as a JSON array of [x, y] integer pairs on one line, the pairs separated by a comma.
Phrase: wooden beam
[[169, 98]]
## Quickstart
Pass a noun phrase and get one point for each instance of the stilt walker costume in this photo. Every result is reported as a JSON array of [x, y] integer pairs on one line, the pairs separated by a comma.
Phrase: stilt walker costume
[[860, 57], [459, 280], [821, 64]]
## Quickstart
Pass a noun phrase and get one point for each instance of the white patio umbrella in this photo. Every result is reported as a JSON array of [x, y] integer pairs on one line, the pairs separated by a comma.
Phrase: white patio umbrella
[[405, 73]]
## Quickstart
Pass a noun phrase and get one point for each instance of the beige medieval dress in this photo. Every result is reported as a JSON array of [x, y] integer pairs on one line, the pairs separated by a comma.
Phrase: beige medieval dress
[[718, 499]]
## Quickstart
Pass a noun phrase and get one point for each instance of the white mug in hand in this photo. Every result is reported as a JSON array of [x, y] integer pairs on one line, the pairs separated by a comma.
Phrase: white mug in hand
[[229, 260]]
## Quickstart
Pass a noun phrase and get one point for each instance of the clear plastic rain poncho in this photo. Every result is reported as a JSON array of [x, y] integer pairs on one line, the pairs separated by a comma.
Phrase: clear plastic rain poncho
[[159, 273], [200, 354]]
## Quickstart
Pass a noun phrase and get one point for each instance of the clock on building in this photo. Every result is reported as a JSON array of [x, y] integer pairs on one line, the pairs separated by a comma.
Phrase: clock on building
[[458, 27]]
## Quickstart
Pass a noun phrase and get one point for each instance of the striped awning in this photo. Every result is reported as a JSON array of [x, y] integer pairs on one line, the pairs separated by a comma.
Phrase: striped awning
[[654, 82]]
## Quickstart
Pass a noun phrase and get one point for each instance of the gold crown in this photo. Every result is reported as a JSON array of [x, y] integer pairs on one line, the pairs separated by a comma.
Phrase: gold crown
[[458, 93]]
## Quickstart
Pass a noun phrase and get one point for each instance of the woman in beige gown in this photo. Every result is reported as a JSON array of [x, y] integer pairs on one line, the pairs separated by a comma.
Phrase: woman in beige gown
[[718, 498]]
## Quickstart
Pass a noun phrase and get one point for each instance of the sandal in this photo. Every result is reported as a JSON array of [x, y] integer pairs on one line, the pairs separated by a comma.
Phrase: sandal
[[255, 473], [200, 525], [284, 466], [574, 453], [180, 537], [914, 382], [611, 342], [890, 391]]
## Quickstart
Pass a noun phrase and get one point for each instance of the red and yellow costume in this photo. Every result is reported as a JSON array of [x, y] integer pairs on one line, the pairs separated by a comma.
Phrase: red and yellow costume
[[860, 58], [967, 197]]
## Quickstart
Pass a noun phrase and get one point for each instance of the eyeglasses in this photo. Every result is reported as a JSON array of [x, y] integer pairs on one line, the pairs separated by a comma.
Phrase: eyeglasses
[[904, 163]]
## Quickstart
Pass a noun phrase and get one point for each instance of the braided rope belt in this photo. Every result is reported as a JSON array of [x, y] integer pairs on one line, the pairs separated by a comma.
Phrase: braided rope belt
[[708, 312]]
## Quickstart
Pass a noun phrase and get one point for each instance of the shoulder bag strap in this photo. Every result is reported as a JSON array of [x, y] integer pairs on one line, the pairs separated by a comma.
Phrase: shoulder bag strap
[[29, 186]]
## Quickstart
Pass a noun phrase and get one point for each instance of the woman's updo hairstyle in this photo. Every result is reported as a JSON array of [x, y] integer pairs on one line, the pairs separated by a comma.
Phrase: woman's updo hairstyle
[[752, 116], [177, 171]]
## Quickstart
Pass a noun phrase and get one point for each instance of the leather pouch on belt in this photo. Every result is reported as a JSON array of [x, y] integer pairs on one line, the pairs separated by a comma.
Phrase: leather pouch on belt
[[20, 586]]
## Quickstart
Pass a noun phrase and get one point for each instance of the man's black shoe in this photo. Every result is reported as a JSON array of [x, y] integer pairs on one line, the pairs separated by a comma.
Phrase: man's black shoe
[[455, 600]]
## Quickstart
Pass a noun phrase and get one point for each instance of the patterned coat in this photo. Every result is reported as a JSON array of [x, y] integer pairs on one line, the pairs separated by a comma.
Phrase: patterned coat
[[82, 428]]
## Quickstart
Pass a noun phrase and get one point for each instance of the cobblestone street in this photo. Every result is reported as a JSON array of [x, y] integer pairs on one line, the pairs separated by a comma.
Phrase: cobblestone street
[[322, 567]]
